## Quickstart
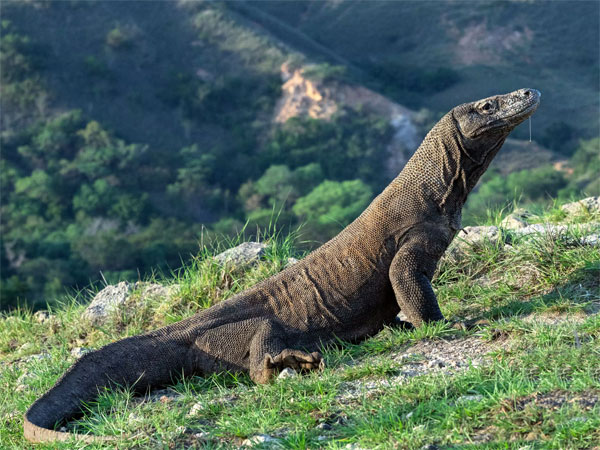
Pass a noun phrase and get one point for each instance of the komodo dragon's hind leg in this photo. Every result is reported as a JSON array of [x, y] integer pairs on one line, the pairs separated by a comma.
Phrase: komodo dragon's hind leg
[[269, 340]]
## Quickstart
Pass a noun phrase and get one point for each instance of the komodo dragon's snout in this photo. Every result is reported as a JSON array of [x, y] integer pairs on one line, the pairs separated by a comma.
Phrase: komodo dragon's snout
[[497, 114], [349, 288]]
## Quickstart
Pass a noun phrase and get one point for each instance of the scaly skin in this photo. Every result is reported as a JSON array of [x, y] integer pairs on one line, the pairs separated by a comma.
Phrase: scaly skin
[[349, 288]]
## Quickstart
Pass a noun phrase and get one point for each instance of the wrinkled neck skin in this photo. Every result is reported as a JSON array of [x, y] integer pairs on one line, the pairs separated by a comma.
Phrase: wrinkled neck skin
[[450, 164]]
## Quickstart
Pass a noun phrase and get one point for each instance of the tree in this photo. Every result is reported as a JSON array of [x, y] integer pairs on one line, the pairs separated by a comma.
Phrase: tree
[[332, 205]]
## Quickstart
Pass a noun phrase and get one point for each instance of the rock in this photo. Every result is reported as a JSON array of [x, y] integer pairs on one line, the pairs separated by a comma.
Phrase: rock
[[259, 439], [469, 398], [27, 346], [242, 255], [288, 372], [473, 238], [134, 418], [36, 357], [592, 239], [353, 447], [42, 316], [541, 228], [24, 380], [590, 205], [201, 435], [164, 396], [155, 290], [195, 409], [107, 301], [290, 262], [78, 352], [517, 219]]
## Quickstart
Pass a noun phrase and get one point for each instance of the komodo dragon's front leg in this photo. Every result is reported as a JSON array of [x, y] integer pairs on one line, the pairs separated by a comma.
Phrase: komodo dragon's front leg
[[411, 272]]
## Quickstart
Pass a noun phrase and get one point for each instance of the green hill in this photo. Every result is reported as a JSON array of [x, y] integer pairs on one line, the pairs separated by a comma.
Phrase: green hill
[[483, 48]]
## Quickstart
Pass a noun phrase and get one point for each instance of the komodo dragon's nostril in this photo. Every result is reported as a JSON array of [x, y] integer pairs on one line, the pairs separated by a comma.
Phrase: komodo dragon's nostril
[[530, 92]]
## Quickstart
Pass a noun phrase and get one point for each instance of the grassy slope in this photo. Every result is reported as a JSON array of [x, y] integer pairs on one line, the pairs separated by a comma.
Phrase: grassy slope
[[539, 386]]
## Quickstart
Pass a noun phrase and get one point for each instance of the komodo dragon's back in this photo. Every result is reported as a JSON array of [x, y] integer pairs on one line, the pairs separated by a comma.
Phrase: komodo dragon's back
[[349, 288]]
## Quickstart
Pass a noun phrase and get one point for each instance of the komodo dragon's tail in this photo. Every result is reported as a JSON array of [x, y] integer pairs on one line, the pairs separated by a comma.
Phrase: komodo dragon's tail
[[138, 362]]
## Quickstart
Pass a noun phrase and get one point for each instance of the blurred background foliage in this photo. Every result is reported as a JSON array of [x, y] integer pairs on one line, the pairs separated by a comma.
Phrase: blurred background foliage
[[132, 133]]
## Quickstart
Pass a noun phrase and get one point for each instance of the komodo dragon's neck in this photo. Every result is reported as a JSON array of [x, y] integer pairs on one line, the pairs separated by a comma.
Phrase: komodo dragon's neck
[[439, 177]]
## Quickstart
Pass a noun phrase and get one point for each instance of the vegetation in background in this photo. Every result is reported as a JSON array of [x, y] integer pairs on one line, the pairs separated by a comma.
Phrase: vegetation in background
[[539, 186], [121, 150]]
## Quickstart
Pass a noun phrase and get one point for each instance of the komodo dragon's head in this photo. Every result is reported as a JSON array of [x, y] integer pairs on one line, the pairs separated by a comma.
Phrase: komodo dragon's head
[[483, 125], [499, 114], [471, 135]]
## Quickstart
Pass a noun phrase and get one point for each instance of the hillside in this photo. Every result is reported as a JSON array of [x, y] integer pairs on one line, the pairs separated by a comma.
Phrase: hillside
[[132, 131], [529, 378], [485, 48]]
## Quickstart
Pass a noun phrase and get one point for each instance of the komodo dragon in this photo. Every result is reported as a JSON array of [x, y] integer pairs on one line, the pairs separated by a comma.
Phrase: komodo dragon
[[349, 288]]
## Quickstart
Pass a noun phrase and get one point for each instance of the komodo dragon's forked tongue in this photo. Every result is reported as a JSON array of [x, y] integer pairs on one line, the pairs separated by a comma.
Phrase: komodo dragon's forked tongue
[[349, 288]]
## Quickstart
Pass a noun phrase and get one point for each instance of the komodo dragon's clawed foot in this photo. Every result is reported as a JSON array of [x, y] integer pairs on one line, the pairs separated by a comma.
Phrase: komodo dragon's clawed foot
[[297, 360], [294, 359]]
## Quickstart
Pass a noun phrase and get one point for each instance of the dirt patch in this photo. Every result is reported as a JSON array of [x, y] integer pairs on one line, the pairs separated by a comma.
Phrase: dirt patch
[[555, 400], [481, 44], [558, 317], [442, 356]]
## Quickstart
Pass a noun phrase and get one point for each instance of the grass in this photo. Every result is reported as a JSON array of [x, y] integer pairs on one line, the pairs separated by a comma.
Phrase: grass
[[539, 387]]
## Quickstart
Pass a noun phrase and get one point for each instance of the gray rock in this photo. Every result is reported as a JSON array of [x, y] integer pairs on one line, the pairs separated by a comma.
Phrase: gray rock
[[38, 357], [155, 290], [542, 228], [353, 447], [201, 435], [291, 261], [288, 372], [78, 352], [517, 219], [114, 297], [473, 238], [26, 347], [165, 396], [592, 239], [259, 439], [242, 255], [42, 316], [589, 205], [195, 409], [24, 381], [469, 398], [107, 301]]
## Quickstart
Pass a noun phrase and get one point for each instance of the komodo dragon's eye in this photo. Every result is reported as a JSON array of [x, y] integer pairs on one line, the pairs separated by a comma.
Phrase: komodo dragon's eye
[[487, 107]]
